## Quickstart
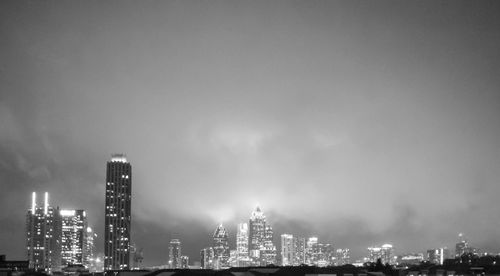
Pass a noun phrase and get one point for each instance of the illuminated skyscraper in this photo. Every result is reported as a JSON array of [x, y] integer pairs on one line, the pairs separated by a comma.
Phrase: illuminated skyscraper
[[90, 254], [74, 232], [257, 228], [438, 255], [242, 245], [287, 250], [300, 250], [342, 256], [221, 247], [174, 253], [260, 240], [384, 253], [207, 258], [118, 215], [311, 242], [43, 236]]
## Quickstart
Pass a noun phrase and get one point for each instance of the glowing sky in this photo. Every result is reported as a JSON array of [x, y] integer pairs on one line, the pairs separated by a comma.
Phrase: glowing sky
[[363, 122]]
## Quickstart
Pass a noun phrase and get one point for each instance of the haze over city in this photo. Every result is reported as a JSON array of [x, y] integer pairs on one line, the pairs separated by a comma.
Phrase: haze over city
[[361, 123]]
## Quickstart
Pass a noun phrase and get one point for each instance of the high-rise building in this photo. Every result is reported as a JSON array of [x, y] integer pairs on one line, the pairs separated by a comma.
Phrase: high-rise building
[[221, 247], [90, 253], [74, 235], [384, 253], [43, 236], [268, 252], [174, 253], [260, 240], [342, 256], [311, 242], [207, 258], [438, 255], [410, 259], [118, 213], [287, 250], [256, 231], [242, 257], [300, 250]]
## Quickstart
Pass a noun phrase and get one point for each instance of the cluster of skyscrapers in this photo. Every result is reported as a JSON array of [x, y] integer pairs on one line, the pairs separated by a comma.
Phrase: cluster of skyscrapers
[[58, 237]]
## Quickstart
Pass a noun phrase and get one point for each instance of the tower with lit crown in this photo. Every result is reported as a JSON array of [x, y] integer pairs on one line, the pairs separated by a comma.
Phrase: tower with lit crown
[[260, 239], [43, 236], [118, 213], [221, 247]]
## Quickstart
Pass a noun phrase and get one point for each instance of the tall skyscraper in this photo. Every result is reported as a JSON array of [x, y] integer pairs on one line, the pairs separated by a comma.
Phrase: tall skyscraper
[[300, 250], [43, 236], [90, 253], [287, 250], [207, 258], [174, 253], [242, 245], [118, 213], [221, 247], [311, 242], [73, 240], [260, 239]]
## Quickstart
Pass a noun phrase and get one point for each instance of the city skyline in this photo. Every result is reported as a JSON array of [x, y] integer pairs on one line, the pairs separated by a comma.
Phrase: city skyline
[[361, 123]]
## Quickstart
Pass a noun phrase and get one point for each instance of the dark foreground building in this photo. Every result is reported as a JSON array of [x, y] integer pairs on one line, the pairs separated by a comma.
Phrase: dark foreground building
[[118, 216]]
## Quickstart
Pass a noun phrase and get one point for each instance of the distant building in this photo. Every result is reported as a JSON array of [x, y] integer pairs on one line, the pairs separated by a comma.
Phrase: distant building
[[287, 250], [43, 236], [342, 256], [438, 255], [385, 253], [221, 247], [242, 257], [300, 250], [90, 253], [118, 213], [207, 258], [309, 250], [322, 254], [463, 247], [184, 262], [73, 239], [174, 254], [260, 240], [411, 259]]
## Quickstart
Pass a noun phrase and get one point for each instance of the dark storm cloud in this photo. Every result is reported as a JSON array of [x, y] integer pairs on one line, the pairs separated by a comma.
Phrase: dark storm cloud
[[359, 122]]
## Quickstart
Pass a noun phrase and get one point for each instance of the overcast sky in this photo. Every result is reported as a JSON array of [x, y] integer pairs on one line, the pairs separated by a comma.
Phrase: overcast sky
[[360, 122]]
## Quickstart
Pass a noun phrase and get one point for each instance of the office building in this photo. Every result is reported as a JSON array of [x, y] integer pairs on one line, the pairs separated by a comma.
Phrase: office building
[[438, 255], [174, 253], [242, 258], [260, 239], [300, 250], [311, 242], [287, 250], [221, 247], [207, 258], [118, 213], [74, 236], [385, 253], [43, 236], [342, 256], [90, 253], [184, 262]]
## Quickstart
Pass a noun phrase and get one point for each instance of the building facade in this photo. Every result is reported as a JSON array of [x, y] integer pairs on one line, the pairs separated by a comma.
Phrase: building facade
[[118, 213], [174, 253], [221, 247], [287, 250], [242, 257], [73, 239], [43, 236], [260, 240]]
